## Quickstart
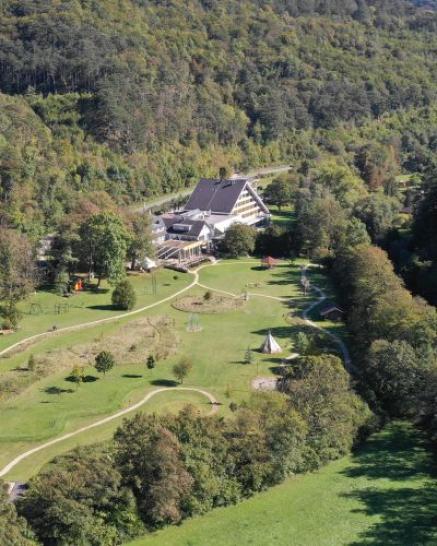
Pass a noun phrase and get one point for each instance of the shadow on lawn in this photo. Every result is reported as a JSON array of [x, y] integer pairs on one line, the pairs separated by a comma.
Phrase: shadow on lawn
[[164, 383], [408, 514], [57, 390], [284, 274], [85, 379], [98, 290], [132, 375], [89, 379], [108, 307], [281, 332]]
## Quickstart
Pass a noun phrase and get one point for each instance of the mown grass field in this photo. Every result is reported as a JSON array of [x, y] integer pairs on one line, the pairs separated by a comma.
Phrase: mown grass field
[[53, 406], [46, 309], [384, 495]]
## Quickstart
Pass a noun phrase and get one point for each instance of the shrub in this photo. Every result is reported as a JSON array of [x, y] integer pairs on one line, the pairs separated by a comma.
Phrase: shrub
[[233, 406], [151, 362], [123, 296], [7, 324], [31, 363], [105, 361], [207, 296], [182, 369], [11, 316]]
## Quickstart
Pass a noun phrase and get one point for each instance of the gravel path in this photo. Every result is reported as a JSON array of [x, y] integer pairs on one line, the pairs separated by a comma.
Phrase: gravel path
[[322, 297], [105, 420], [101, 321]]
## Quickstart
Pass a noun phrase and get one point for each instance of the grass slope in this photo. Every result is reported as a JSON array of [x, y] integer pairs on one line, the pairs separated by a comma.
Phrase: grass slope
[[41, 311], [386, 494], [36, 415], [53, 406]]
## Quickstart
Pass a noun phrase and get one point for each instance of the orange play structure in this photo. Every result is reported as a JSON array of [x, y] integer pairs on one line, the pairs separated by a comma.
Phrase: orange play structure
[[79, 286]]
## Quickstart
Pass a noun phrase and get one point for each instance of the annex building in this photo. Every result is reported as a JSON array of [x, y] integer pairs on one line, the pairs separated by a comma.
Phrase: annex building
[[211, 209]]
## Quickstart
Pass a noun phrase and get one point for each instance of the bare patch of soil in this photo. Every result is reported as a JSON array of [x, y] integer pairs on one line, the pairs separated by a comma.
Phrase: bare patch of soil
[[265, 383], [217, 303]]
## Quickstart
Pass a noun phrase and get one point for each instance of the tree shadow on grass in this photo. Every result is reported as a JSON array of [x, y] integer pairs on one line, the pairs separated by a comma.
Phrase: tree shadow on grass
[[95, 290], [284, 275], [85, 379], [57, 390], [408, 514], [89, 379], [279, 332], [274, 360], [164, 383], [102, 307], [132, 375], [399, 453], [279, 370]]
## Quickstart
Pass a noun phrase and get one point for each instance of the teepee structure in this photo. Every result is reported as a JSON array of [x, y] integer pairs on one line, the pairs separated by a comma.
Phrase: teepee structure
[[270, 345]]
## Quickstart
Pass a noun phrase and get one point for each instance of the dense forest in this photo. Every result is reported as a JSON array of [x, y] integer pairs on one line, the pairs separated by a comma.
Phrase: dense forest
[[137, 98]]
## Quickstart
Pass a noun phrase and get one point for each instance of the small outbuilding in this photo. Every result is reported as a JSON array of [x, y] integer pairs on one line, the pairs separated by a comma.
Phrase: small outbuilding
[[270, 345], [333, 313]]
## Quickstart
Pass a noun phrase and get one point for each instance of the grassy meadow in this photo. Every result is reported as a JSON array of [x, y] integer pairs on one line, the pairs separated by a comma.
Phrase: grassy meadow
[[46, 308], [52, 405], [383, 495]]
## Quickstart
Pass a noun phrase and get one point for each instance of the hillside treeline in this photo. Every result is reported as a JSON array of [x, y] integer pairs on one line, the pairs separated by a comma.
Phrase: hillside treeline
[[414, 251], [393, 333], [137, 98], [159, 470]]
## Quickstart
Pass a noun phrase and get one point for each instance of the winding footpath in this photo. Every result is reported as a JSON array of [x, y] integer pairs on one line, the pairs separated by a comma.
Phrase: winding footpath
[[305, 314], [214, 403], [121, 413], [93, 323], [322, 297]]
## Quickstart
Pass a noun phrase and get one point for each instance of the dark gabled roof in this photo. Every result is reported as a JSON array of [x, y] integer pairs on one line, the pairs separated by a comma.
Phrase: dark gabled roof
[[195, 226], [217, 196]]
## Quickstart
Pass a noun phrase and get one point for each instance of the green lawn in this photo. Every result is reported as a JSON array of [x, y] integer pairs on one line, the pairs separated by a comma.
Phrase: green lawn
[[36, 415], [53, 406], [385, 495], [41, 311], [172, 401], [284, 217], [239, 276]]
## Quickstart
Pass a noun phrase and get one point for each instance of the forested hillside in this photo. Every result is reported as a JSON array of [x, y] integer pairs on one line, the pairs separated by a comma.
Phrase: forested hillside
[[135, 98]]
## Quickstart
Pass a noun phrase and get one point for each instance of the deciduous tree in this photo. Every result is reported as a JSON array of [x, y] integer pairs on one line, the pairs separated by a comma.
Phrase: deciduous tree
[[239, 240], [17, 272], [182, 369], [103, 246], [149, 458], [104, 362]]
